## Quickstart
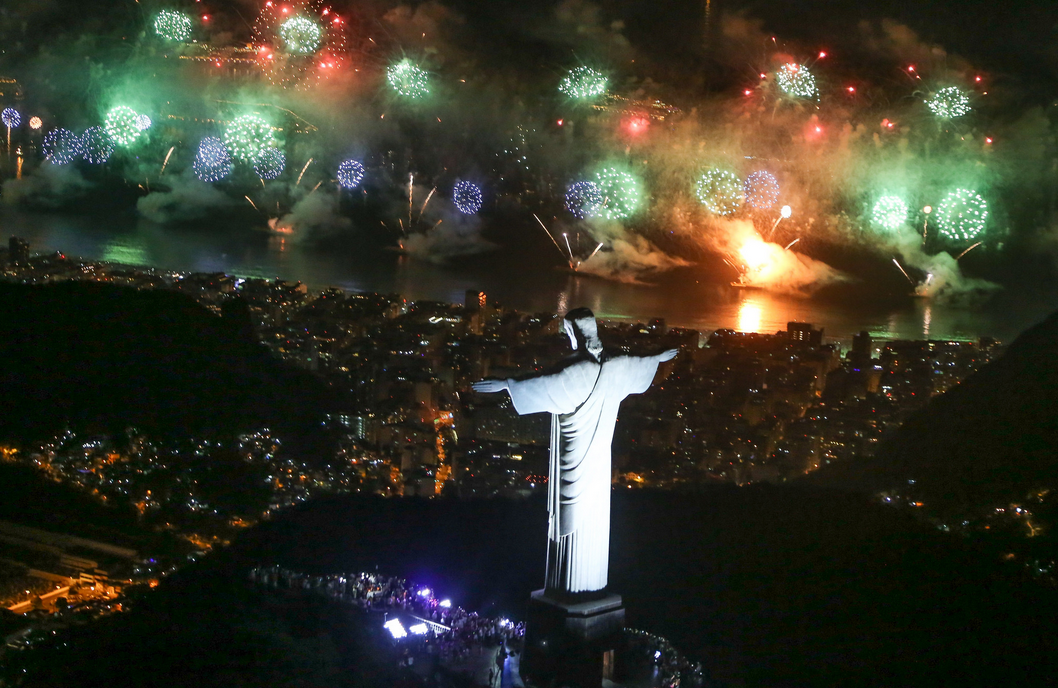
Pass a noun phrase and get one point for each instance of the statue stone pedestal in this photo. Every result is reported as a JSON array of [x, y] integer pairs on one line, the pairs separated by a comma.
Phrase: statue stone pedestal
[[570, 644]]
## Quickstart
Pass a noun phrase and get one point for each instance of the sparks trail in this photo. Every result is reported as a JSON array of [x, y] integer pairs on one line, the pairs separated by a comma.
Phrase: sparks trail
[[166, 161], [428, 197], [594, 252], [411, 182], [791, 243], [904, 272], [252, 203], [566, 237], [549, 236], [967, 250], [303, 172]]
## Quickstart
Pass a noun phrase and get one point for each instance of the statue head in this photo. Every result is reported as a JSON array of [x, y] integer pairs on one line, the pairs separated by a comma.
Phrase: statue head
[[582, 330]]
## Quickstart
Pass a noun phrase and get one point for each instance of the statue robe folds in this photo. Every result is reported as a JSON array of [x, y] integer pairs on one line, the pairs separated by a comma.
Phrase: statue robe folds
[[583, 397]]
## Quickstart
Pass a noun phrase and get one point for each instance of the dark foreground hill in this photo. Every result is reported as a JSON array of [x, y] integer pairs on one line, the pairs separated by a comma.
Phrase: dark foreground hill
[[766, 586], [102, 358], [989, 441]]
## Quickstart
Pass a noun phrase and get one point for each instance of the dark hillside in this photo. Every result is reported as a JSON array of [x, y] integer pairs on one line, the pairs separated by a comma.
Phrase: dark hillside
[[103, 358]]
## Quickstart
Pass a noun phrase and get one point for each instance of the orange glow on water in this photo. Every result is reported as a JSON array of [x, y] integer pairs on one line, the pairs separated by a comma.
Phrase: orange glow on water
[[749, 316]]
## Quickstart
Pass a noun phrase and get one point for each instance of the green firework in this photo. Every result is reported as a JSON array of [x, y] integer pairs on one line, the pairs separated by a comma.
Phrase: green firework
[[172, 26], [889, 213], [621, 193], [795, 80], [121, 124], [962, 214], [720, 191], [247, 136], [583, 82], [300, 36], [408, 80], [949, 103]]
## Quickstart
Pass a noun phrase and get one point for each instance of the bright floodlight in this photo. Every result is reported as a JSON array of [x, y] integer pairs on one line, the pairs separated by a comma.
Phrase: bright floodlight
[[445, 603], [418, 629], [786, 211], [395, 629]]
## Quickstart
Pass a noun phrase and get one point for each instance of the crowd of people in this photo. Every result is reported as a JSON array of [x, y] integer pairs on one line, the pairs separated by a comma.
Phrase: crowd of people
[[454, 632]]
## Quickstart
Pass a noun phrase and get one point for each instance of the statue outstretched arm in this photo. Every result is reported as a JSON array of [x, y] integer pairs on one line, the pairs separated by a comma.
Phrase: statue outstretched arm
[[491, 386], [666, 355]]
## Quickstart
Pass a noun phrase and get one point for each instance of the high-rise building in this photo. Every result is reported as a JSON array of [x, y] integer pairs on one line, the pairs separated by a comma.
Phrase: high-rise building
[[803, 332], [17, 251], [861, 349], [474, 300]]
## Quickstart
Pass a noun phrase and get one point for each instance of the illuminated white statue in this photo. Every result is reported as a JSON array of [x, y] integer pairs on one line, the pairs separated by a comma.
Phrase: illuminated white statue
[[583, 394]]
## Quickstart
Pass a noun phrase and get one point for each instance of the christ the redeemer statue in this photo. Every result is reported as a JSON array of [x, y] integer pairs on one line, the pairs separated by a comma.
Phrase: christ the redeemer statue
[[583, 394]]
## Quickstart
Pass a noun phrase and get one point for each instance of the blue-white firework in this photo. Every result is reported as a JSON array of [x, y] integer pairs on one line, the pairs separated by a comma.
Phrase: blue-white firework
[[61, 146], [350, 174], [584, 199], [96, 145], [467, 197], [270, 163], [212, 162]]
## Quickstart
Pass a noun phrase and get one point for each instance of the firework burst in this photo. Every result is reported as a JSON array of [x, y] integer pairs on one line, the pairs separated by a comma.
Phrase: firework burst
[[408, 80], [247, 137], [96, 145], [761, 190], [270, 163], [300, 42], [584, 199], [212, 162], [889, 213], [962, 215], [949, 103], [172, 26], [720, 191], [621, 192], [582, 83], [350, 174], [796, 81], [61, 146], [122, 125], [467, 197]]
